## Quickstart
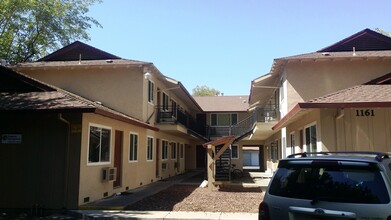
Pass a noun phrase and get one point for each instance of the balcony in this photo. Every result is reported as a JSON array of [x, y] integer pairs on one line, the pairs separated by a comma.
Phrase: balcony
[[178, 121], [267, 115]]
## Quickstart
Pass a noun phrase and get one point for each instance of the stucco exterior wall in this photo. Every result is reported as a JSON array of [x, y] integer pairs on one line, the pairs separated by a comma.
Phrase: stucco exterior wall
[[311, 118], [346, 130], [309, 79], [118, 88], [134, 173], [364, 132]]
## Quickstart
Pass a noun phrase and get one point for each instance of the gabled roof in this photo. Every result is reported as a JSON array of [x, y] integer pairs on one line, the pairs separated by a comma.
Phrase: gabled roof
[[368, 44], [78, 51], [32, 95], [223, 103], [12, 82], [365, 40]]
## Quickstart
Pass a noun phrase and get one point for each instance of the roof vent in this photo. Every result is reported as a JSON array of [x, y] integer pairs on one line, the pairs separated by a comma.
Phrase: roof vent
[[326, 54]]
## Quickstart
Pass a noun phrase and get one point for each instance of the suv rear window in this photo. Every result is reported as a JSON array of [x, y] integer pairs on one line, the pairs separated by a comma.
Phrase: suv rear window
[[330, 182]]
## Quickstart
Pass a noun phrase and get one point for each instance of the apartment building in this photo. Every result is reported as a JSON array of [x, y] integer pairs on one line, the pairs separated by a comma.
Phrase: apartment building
[[162, 145], [336, 98]]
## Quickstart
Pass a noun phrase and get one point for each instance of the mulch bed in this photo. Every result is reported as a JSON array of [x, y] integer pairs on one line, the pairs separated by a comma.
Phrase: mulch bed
[[194, 198]]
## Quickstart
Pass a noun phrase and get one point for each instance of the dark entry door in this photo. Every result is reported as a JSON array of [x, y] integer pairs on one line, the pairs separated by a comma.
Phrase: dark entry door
[[200, 157], [118, 157], [261, 159]]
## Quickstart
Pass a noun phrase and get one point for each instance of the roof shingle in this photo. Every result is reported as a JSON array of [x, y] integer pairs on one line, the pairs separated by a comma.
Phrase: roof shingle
[[358, 94]]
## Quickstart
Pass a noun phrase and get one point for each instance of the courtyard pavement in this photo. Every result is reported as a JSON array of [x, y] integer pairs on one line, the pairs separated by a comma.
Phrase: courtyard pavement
[[112, 207]]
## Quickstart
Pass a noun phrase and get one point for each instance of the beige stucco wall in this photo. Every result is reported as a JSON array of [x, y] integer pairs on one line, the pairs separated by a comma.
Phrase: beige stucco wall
[[309, 79], [134, 174], [122, 88], [118, 88], [271, 165], [312, 117], [345, 130], [364, 133]]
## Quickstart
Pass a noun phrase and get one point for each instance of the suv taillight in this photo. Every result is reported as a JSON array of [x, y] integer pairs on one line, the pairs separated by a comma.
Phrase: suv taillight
[[263, 212]]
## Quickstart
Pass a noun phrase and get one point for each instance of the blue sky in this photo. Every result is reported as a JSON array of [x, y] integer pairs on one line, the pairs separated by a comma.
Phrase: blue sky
[[224, 44]]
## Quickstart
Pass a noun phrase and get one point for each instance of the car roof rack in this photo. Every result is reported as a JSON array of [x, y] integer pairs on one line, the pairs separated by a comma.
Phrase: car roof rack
[[379, 156]]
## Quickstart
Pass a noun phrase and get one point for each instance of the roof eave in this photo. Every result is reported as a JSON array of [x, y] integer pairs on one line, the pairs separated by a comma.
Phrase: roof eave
[[124, 119], [300, 107]]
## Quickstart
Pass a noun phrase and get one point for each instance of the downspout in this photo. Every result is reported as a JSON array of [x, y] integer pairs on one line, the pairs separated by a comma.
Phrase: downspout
[[60, 117]]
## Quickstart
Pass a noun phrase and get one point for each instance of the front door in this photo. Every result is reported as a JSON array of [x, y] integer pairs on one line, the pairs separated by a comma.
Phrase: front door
[[118, 157], [157, 156]]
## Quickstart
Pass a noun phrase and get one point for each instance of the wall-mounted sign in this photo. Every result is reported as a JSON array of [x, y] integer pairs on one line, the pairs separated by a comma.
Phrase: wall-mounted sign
[[365, 113], [11, 138]]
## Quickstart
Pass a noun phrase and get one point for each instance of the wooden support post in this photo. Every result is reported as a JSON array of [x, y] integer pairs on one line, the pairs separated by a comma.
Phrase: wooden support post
[[211, 167], [212, 157]]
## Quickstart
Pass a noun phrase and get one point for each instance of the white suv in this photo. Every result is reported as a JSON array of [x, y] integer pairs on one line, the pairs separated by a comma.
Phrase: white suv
[[330, 185]]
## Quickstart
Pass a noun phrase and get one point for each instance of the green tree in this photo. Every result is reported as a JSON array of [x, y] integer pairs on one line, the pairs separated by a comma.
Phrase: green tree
[[205, 91], [383, 32], [30, 29]]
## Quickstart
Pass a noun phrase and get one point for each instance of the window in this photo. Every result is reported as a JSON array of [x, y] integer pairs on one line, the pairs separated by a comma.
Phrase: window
[[292, 145], [173, 150], [174, 108], [310, 138], [165, 102], [150, 91], [149, 148], [329, 182], [223, 119], [234, 152], [182, 151], [133, 147], [99, 145], [164, 149], [274, 151], [281, 91]]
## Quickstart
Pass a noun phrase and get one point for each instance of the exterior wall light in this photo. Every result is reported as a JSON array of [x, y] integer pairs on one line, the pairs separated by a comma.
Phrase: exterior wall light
[[147, 75]]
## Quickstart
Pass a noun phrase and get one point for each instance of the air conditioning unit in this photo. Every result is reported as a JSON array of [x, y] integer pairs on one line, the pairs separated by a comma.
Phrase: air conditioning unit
[[109, 174]]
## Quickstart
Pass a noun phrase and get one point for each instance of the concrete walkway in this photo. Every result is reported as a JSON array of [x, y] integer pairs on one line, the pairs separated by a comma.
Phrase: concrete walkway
[[112, 208], [153, 215]]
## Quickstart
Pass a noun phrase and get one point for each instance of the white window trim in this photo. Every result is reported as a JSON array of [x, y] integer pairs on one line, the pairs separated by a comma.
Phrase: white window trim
[[168, 101], [153, 144], [172, 107], [138, 147], [217, 118], [276, 148], [161, 156], [153, 92], [176, 150], [88, 144], [294, 140], [318, 149], [238, 151]]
